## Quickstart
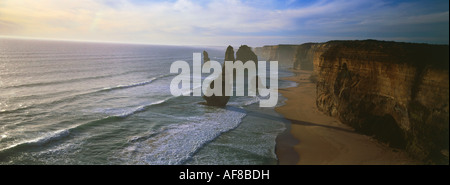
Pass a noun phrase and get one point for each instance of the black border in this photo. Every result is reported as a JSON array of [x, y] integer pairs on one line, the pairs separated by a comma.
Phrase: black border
[[278, 174]]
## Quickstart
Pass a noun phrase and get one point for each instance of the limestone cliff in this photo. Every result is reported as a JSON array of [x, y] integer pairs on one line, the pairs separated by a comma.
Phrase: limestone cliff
[[398, 92], [304, 56], [284, 54], [295, 56]]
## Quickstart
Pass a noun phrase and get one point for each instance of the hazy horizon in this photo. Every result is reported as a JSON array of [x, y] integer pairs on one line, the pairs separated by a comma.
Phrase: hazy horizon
[[221, 23]]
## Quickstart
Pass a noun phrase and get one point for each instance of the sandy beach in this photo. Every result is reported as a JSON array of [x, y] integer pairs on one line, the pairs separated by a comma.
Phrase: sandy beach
[[317, 139]]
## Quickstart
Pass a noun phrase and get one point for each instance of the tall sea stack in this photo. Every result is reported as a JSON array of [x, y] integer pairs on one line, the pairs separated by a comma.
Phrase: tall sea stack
[[214, 100], [245, 54]]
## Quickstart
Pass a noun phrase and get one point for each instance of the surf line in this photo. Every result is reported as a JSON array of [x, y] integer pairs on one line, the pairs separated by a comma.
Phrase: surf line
[[181, 83]]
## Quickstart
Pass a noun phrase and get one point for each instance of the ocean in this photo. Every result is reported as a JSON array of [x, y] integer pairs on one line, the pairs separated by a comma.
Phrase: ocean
[[67, 102]]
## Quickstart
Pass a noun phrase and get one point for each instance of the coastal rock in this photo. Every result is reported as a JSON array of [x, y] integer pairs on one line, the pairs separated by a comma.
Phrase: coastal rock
[[229, 54], [245, 53], [205, 57], [304, 56], [296, 56], [214, 100], [397, 92], [284, 54]]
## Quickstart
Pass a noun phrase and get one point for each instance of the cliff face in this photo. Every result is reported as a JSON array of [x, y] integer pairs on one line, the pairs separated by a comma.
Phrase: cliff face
[[295, 56], [397, 92], [284, 54], [305, 55]]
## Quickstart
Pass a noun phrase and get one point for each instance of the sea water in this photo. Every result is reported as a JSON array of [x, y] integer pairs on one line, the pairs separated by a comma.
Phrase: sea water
[[106, 103]]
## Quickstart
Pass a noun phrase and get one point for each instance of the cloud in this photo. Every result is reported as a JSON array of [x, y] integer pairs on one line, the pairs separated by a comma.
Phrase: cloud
[[211, 22]]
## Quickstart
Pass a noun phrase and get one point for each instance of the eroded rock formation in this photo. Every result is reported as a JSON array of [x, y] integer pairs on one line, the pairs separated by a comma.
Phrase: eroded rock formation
[[284, 54], [304, 56], [295, 56], [243, 54], [205, 57], [214, 100], [398, 92]]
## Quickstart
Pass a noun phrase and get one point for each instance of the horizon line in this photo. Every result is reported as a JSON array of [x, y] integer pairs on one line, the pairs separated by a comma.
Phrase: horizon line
[[193, 45], [101, 41]]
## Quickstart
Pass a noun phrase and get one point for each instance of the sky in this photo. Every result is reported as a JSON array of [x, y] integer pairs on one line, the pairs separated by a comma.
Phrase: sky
[[226, 22]]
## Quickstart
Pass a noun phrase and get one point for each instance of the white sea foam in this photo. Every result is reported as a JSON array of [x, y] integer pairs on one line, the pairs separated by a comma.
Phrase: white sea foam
[[135, 84], [45, 138], [176, 143]]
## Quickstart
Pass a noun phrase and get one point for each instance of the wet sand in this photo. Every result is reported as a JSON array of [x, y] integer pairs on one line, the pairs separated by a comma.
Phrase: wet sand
[[315, 138]]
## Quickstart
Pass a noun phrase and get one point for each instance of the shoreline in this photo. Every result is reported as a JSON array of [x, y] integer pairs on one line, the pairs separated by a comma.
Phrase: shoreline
[[313, 138]]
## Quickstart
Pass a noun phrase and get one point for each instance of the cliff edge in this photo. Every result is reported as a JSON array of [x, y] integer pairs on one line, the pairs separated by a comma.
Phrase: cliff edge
[[397, 92]]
